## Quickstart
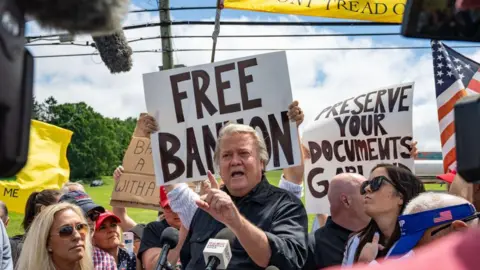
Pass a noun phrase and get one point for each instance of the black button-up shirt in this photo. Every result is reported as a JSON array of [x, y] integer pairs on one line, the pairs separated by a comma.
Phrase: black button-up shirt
[[277, 212], [326, 246]]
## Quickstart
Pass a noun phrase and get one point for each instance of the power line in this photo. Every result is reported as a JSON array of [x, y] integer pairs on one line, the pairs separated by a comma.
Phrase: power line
[[271, 36], [235, 23], [36, 38], [261, 23], [86, 44], [267, 49], [172, 8]]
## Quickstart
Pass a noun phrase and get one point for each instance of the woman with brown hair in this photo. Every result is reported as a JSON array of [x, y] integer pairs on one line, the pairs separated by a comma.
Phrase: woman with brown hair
[[386, 194]]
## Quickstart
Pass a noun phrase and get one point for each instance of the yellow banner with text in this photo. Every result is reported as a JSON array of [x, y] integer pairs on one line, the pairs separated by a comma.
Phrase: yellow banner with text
[[387, 11], [47, 166]]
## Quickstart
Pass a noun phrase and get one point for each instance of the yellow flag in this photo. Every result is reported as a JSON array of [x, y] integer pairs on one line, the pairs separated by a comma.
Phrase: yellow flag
[[47, 166], [389, 11]]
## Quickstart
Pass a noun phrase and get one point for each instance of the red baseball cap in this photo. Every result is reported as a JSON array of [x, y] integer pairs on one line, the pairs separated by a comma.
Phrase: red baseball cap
[[448, 177], [163, 197], [103, 217]]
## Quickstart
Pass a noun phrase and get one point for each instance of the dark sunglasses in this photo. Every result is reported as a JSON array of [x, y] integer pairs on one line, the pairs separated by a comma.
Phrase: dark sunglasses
[[67, 231], [467, 219], [375, 184]]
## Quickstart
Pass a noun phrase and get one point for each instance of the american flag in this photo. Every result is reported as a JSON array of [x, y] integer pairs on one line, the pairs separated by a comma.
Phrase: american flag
[[453, 72], [443, 216]]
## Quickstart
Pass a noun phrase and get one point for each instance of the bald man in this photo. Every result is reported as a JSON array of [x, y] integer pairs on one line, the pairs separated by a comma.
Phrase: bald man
[[327, 244]]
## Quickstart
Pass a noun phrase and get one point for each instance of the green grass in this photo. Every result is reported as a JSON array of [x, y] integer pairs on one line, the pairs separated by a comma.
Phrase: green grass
[[101, 195]]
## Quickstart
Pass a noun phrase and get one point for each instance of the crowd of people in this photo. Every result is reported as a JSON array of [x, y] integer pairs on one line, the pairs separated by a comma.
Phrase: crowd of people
[[373, 219]]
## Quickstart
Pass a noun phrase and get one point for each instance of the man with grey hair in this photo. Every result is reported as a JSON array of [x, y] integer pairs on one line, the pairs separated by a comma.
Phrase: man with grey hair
[[270, 224], [426, 218], [72, 186], [327, 244]]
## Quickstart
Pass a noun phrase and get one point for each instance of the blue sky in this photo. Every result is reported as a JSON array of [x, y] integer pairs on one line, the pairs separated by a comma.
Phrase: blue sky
[[318, 78]]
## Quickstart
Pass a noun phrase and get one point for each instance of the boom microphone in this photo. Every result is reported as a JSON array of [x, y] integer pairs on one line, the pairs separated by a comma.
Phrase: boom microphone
[[217, 252], [168, 240], [114, 51], [100, 17]]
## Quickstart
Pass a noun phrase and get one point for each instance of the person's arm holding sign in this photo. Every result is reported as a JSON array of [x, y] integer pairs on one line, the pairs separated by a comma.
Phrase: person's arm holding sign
[[145, 126], [121, 212], [294, 174], [292, 178]]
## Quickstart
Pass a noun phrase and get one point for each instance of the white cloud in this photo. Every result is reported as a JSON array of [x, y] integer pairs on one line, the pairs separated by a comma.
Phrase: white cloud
[[343, 73]]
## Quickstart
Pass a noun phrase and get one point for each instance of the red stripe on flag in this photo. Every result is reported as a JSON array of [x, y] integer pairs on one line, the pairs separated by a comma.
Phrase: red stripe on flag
[[447, 133], [448, 106], [474, 85], [449, 159]]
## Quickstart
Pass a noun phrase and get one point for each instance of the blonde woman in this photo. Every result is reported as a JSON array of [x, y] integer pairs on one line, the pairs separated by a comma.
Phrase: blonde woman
[[58, 239]]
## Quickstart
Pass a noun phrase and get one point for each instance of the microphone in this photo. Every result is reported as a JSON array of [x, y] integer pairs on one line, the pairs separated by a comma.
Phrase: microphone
[[114, 51], [77, 16], [271, 267], [168, 240], [100, 18], [217, 252]]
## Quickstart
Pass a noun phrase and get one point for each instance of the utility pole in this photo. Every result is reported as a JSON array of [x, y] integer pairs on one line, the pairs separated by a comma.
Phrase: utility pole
[[166, 33]]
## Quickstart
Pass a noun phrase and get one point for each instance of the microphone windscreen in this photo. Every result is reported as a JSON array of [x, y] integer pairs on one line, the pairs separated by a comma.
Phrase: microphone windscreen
[[77, 16], [271, 267], [115, 51], [170, 237], [226, 234]]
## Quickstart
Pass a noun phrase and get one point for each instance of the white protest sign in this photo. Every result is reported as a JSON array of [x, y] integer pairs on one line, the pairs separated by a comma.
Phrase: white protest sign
[[192, 104], [354, 135]]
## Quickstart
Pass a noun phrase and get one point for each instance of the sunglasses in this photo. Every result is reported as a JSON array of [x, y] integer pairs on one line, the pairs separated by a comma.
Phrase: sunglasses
[[67, 231], [375, 184], [467, 219]]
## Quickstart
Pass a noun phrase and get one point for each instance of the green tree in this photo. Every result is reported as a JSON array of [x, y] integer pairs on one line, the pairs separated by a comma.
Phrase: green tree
[[98, 143]]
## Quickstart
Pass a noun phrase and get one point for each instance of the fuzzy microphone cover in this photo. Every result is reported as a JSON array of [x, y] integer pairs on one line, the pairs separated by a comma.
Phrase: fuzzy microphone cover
[[99, 17], [114, 51]]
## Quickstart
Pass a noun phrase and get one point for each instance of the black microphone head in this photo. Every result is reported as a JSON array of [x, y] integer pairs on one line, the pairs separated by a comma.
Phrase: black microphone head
[[226, 234], [77, 16], [271, 267], [169, 237], [114, 51]]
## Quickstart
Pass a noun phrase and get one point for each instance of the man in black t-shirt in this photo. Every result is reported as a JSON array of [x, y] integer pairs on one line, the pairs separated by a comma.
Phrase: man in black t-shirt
[[150, 247]]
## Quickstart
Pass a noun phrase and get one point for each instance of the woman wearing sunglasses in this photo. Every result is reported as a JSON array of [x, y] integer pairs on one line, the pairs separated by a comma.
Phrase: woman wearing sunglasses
[[35, 203], [58, 239], [386, 194]]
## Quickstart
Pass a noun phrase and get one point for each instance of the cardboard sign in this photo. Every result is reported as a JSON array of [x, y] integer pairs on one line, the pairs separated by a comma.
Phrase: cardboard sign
[[136, 187], [192, 104], [353, 136]]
